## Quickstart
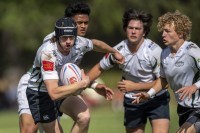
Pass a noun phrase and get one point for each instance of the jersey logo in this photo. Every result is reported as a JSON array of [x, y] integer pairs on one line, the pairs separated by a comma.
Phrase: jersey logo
[[152, 46], [47, 65], [119, 47], [46, 117], [54, 53], [179, 64], [191, 46]]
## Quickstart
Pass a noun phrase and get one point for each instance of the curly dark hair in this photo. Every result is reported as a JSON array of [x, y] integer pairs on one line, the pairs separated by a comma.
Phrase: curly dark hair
[[132, 14], [76, 8], [181, 22]]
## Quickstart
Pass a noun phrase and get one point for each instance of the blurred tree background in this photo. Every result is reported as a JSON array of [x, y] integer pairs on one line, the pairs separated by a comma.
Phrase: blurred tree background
[[24, 24]]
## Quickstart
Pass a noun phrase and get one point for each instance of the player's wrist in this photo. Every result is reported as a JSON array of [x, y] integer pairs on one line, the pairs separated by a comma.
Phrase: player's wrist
[[86, 82], [197, 84], [151, 92], [94, 85]]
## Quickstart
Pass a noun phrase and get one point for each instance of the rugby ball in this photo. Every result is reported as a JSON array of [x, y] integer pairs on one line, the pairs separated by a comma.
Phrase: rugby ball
[[69, 74]]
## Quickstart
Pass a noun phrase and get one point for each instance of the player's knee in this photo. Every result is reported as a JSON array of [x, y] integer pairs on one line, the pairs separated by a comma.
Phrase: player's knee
[[84, 119]]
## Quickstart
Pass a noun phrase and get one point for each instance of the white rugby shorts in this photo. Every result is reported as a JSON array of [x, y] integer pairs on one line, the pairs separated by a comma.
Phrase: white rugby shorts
[[23, 106]]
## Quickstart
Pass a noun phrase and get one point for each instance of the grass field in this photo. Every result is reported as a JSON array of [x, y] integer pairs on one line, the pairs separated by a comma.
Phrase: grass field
[[103, 118]]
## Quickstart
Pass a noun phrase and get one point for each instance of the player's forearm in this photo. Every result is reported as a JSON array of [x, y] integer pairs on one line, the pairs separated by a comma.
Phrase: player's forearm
[[160, 83], [58, 92], [101, 46], [143, 86], [64, 91], [95, 72]]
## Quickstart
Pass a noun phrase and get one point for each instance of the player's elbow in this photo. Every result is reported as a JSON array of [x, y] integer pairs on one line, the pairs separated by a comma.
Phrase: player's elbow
[[53, 95]]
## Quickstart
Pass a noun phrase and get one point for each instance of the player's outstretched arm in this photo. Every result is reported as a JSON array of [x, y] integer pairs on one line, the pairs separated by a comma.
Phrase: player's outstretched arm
[[95, 72], [103, 47]]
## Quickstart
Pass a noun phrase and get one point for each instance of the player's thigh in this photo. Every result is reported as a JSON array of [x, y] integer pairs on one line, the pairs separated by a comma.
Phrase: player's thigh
[[160, 125], [73, 106]]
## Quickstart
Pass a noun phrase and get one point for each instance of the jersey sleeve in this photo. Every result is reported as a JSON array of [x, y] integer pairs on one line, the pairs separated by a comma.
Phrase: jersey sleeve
[[162, 74], [48, 37], [194, 52], [84, 44], [48, 65], [107, 61], [155, 59]]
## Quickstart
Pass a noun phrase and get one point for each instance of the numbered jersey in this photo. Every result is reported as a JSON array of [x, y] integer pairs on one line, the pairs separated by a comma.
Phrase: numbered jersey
[[49, 61], [182, 70], [142, 66]]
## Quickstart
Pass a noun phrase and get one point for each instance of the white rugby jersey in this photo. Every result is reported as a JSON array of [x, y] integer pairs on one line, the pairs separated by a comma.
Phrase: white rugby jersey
[[49, 61], [142, 66], [182, 70]]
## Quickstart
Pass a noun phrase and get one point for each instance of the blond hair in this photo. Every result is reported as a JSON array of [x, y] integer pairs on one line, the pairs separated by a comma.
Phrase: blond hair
[[181, 22]]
